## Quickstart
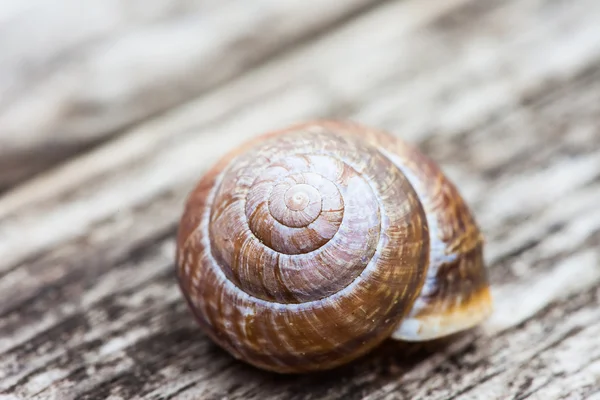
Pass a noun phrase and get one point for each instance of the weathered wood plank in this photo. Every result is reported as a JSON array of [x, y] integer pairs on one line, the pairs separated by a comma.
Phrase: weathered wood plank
[[75, 75], [89, 306]]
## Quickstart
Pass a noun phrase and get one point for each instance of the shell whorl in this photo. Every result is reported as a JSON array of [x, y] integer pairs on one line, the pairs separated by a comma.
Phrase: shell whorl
[[305, 248], [306, 251], [305, 227]]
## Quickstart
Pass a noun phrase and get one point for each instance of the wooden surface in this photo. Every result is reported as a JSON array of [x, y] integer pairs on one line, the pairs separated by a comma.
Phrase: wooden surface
[[110, 111]]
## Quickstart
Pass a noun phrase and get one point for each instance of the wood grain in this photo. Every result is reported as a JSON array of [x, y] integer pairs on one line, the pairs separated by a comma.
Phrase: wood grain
[[76, 75], [505, 95]]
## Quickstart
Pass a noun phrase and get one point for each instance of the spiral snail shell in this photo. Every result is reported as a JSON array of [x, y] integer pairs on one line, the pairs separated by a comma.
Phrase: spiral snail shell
[[307, 247]]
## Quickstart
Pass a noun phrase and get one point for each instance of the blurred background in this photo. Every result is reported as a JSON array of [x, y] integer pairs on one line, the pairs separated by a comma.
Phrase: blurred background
[[111, 110]]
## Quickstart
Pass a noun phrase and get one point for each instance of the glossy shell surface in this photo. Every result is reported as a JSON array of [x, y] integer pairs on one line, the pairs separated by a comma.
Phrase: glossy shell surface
[[307, 247]]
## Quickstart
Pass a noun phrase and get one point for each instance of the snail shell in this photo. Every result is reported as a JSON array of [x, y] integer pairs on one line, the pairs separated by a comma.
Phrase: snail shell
[[307, 247]]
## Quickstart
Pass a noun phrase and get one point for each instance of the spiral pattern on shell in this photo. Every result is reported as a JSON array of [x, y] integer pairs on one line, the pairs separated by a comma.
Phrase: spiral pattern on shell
[[304, 249]]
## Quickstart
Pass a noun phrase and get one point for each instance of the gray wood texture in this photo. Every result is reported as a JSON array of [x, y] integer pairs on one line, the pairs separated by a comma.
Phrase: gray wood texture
[[111, 111]]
